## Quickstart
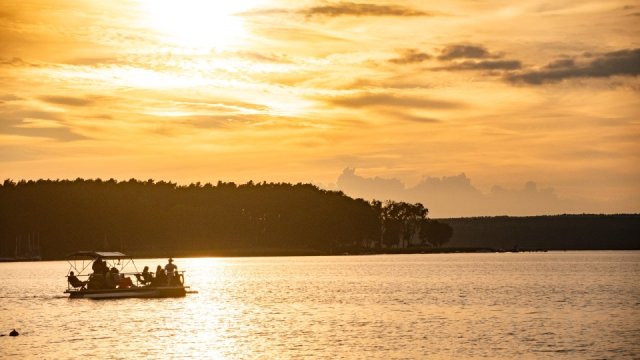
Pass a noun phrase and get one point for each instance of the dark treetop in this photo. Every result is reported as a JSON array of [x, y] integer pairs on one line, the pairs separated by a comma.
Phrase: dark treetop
[[148, 218]]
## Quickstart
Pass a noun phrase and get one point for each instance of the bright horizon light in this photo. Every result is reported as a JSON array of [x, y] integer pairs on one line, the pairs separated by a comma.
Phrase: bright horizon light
[[197, 25]]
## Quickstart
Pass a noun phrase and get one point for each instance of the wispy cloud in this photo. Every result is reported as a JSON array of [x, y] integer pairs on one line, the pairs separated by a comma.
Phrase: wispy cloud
[[390, 100], [9, 97], [484, 65], [355, 9], [14, 61], [263, 57], [67, 100], [417, 119], [411, 56], [17, 120], [345, 9], [93, 61]]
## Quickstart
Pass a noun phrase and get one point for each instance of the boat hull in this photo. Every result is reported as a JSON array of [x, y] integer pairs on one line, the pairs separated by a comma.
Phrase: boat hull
[[135, 292]]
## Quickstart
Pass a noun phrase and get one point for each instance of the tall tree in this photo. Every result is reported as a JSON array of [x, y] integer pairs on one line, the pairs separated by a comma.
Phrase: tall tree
[[400, 221], [435, 233]]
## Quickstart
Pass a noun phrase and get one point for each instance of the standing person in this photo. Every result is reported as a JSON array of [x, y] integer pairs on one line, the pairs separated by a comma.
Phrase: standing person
[[97, 266], [100, 273], [170, 268]]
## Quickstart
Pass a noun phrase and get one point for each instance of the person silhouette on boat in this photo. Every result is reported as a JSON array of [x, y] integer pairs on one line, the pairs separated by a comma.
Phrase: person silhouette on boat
[[145, 278], [75, 282], [161, 277], [170, 269], [104, 267], [125, 282], [99, 266]]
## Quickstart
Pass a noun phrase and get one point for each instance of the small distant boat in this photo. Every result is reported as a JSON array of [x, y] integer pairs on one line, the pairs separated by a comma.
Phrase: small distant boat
[[124, 282]]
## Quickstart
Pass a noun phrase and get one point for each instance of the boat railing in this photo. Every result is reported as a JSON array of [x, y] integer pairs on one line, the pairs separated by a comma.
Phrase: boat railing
[[93, 280]]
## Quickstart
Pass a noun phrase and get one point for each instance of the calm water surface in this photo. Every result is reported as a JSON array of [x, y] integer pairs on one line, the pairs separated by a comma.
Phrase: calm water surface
[[564, 305]]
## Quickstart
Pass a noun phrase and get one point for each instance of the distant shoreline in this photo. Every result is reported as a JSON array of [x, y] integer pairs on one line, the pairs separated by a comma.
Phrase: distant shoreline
[[236, 253], [49, 219]]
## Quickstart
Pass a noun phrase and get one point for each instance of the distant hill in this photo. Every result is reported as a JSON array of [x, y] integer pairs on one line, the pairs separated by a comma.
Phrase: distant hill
[[561, 232]]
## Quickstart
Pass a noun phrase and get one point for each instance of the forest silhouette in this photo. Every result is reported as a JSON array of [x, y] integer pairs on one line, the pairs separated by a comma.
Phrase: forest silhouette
[[549, 232], [149, 218]]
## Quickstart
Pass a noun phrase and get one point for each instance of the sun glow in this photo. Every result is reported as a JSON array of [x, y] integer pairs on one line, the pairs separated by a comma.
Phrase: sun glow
[[198, 25]]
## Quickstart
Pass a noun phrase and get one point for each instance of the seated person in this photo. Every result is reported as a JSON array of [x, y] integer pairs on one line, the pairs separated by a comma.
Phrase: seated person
[[75, 282], [145, 278], [161, 277], [96, 281], [112, 278], [124, 282], [115, 273]]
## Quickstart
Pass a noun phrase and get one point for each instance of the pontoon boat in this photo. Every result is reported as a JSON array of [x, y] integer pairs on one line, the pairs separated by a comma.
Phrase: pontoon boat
[[123, 280]]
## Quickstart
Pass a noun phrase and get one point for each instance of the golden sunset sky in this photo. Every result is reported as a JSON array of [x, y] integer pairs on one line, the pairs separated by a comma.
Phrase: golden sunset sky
[[525, 97]]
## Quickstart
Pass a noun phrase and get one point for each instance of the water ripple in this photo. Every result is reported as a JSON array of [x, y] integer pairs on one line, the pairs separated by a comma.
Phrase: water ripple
[[472, 306]]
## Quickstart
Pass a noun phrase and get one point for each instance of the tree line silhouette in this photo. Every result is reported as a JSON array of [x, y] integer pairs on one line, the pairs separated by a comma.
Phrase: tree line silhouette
[[155, 218], [550, 232]]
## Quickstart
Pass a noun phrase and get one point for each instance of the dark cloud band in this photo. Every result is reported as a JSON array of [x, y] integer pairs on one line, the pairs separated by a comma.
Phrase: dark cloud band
[[388, 100], [452, 52], [354, 9], [410, 56], [66, 100], [485, 65], [617, 63], [345, 9]]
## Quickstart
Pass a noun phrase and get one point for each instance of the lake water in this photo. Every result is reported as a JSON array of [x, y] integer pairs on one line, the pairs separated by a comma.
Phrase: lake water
[[560, 305]]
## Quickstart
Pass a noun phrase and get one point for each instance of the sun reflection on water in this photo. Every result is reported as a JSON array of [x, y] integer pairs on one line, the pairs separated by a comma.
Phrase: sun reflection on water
[[346, 307]]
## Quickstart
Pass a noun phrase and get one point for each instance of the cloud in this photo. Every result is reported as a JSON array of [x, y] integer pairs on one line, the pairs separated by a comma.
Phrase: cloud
[[452, 52], [410, 56], [484, 65], [345, 9], [400, 114], [66, 100], [417, 119], [93, 61], [260, 57], [622, 62], [61, 134], [389, 100], [561, 63], [9, 97], [369, 188], [35, 123], [474, 57], [354, 9], [455, 196], [14, 61]]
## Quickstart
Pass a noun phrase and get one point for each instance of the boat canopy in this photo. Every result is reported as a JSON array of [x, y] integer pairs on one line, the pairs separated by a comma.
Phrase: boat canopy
[[97, 254], [80, 261]]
